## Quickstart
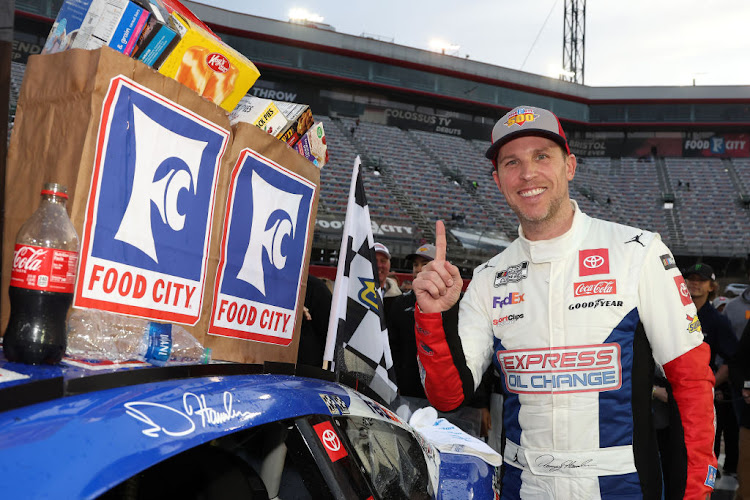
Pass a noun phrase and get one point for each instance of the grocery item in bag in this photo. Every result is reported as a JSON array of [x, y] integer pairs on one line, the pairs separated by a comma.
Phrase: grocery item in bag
[[207, 65]]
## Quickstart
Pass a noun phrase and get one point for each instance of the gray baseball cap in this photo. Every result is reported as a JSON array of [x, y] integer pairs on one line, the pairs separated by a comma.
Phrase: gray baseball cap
[[522, 121], [427, 251]]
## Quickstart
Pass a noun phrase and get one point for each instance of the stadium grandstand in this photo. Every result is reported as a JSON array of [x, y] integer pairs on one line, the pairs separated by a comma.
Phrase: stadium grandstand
[[675, 160]]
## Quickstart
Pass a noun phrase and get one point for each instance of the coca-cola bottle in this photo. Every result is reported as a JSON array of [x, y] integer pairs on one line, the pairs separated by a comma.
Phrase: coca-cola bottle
[[41, 282]]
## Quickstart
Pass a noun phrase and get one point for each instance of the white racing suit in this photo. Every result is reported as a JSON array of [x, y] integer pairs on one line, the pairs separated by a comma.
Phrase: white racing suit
[[573, 326]]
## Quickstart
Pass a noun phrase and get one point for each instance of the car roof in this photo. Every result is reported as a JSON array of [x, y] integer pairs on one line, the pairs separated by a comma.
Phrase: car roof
[[105, 426]]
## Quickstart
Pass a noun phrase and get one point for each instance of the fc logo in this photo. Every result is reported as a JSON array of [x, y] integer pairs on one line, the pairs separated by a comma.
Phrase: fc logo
[[269, 232], [181, 163]]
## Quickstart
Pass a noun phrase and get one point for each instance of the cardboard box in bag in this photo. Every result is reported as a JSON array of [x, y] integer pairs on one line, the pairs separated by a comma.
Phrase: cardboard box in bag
[[148, 165], [207, 65], [90, 24]]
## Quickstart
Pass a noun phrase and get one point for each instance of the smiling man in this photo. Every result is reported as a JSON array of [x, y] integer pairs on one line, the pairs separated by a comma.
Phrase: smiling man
[[572, 314]]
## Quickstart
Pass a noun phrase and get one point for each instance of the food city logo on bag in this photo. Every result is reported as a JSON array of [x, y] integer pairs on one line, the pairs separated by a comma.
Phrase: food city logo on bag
[[263, 250], [148, 218], [585, 368]]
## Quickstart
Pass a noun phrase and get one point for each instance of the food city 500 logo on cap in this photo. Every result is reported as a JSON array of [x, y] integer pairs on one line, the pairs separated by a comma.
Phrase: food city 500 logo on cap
[[521, 116], [262, 252], [585, 368], [148, 218]]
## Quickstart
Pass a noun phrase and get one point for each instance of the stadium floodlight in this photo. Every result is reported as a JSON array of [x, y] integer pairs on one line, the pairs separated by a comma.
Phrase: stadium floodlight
[[557, 71], [301, 15], [444, 47]]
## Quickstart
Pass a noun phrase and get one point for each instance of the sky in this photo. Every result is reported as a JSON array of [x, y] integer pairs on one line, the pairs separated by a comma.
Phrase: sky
[[628, 43]]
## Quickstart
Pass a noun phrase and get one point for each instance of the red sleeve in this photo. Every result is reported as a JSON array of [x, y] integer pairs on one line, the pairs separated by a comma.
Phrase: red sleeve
[[442, 384], [692, 384]]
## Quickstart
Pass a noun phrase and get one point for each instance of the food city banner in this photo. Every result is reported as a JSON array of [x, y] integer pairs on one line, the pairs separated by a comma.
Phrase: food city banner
[[717, 145], [148, 165], [391, 229], [357, 340]]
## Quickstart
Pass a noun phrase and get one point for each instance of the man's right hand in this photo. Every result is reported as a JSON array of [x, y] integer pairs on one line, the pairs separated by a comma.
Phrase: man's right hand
[[438, 286]]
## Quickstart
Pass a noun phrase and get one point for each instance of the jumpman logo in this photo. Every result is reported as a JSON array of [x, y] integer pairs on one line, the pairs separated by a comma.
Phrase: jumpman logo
[[636, 239]]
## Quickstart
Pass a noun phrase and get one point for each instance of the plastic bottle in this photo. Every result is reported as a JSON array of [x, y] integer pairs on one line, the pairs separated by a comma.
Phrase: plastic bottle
[[42, 281], [100, 335]]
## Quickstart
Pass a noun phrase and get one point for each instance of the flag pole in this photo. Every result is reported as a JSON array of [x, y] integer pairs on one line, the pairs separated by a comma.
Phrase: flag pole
[[338, 300]]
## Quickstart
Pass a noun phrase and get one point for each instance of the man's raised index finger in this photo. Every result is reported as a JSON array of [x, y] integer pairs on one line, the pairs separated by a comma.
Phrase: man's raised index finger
[[440, 243]]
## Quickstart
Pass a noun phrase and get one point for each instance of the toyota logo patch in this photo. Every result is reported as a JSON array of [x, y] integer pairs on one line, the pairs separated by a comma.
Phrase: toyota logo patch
[[330, 440], [595, 261]]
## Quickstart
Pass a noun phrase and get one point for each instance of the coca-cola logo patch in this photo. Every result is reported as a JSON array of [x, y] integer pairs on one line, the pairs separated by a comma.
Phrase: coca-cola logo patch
[[596, 287], [217, 62], [595, 261]]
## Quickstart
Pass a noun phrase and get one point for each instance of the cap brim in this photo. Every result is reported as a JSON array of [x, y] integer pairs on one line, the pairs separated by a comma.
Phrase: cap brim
[[696, 273], [492, 151], [413, 255]]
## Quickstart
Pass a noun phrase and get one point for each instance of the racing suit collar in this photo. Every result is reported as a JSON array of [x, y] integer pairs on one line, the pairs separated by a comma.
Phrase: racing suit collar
[[557, 248]]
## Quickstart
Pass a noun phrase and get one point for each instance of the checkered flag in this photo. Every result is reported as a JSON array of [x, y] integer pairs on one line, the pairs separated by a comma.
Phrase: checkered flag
[[357, 341]]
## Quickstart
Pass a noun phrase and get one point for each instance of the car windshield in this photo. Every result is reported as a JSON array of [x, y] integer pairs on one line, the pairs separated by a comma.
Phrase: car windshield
[[392, 458]]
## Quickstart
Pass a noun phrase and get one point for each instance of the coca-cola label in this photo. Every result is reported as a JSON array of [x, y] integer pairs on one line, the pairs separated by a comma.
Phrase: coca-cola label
[[596, 287], [46, 269], [218, 62]]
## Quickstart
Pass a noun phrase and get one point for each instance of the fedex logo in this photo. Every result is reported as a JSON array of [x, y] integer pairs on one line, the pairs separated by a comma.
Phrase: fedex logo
[[587, 368], [511, 298], [594, 261], [148, 218], [263, 251]]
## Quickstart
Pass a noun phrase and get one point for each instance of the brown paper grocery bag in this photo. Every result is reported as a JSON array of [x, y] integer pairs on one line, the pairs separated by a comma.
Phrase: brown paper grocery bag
[[271, 170], [147, 164]]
